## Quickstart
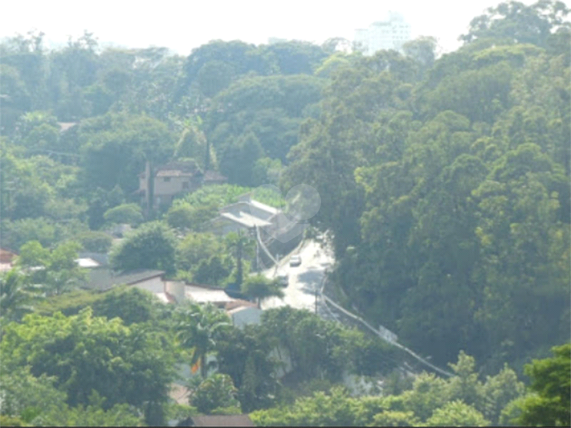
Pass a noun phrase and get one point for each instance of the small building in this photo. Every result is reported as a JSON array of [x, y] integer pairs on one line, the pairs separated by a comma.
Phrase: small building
[[198, 293], [389, 34], [173, 179], [242, 313]]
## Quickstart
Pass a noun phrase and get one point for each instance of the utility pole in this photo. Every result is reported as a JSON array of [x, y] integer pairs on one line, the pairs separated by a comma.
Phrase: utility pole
[[239, 273], [316, 285], [255, 236]]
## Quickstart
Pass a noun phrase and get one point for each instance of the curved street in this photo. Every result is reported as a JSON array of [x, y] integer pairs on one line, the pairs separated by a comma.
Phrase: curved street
[[303, 279]]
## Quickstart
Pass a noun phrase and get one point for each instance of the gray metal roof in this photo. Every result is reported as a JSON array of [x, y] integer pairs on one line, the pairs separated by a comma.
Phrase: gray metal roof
[[245, 219], [104, 279]]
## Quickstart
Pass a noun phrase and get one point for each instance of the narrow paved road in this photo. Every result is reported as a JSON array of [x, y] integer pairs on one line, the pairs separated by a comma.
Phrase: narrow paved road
[[303, 279], [300, 294]]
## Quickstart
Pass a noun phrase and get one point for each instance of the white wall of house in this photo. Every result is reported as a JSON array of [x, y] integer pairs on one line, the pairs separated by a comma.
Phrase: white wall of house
[[173, 185], [175, 289], [245, 315], [154, 285]]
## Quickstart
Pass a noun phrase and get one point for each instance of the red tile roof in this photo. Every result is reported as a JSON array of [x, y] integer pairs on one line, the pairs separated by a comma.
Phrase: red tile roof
[[6, 256]]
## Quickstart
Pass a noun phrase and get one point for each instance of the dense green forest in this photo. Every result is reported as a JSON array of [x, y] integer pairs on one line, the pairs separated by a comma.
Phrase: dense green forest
[[445, 188]]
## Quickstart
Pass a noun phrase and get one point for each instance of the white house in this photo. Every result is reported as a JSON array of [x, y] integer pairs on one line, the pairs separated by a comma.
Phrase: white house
[[242, 313]]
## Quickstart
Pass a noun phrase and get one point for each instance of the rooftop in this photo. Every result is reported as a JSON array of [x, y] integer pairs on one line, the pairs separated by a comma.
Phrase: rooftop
[[247, 198], [6, 256], [64, 126], [186, 166], [203, 294], [264, 207], [87, 262], [239, 304], [100, 258], [245, 219], [213, 176], [241, 308], [175, 173], [104, 279]]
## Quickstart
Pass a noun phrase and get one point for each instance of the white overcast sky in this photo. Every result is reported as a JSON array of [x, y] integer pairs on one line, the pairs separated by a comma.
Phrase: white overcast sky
[[185, 24]]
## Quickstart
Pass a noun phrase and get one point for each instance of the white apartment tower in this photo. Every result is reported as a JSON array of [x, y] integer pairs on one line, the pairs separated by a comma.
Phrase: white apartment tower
[[391, 33]]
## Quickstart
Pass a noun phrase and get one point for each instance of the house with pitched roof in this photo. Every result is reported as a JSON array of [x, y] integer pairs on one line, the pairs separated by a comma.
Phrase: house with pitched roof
[[159, 186], [245, 215]]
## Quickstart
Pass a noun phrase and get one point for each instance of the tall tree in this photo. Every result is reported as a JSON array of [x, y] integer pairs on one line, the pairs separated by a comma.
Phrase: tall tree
[[132, 365], [259, 287], [151, 246], [549, 405]]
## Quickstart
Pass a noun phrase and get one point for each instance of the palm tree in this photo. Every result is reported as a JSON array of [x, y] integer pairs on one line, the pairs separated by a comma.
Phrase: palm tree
[[241, 245], [198, 327], [17, 295], [260, 288]]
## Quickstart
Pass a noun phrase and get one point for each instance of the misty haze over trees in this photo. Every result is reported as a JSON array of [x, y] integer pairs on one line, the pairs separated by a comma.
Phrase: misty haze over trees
[[445, 196]]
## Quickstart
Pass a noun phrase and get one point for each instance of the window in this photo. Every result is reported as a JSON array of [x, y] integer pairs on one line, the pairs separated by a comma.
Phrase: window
[[185, 185], [166, 179]]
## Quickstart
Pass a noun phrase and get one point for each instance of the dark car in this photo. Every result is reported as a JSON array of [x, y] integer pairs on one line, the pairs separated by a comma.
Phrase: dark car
[[283, 280]]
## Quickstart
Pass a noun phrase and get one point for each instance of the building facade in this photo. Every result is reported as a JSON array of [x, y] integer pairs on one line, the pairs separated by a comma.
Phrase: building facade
[[390, 34]]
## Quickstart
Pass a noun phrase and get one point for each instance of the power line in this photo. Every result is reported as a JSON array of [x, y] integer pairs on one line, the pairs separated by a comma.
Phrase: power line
[[381, 335]]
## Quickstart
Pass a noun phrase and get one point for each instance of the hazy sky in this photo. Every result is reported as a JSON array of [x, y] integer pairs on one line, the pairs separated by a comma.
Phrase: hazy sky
[[183, 25]]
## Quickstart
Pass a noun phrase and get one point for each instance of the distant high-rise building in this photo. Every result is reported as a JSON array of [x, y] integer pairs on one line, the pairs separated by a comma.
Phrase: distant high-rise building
[[391, 33], [274, 40]]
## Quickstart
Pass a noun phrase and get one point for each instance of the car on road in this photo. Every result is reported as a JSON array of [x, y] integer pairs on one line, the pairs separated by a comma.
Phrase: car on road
[[295, 260], [283, 280]]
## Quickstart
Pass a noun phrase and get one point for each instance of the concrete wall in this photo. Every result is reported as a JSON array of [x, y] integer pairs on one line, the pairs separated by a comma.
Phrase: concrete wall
[[175, 289]]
